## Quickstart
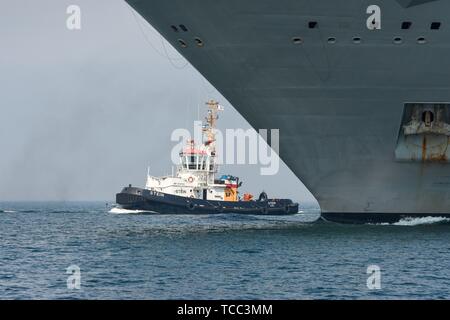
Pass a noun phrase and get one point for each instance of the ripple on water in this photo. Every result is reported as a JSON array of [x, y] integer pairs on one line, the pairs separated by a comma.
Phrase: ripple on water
[[135, 256]]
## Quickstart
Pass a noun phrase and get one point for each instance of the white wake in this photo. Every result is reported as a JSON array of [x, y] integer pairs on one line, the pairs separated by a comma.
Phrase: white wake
[[125, 211], [410, 221]]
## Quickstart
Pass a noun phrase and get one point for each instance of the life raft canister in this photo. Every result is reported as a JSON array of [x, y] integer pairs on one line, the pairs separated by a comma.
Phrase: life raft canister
[[262, 196]]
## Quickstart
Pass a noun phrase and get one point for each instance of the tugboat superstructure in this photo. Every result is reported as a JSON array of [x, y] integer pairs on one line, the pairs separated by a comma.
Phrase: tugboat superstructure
[[196, 173]]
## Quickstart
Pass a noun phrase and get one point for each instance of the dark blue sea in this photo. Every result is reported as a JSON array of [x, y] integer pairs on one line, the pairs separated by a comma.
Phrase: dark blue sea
[[136, 256]]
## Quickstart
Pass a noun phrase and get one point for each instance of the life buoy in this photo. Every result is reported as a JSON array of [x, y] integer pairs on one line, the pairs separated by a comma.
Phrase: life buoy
[[190, 179]]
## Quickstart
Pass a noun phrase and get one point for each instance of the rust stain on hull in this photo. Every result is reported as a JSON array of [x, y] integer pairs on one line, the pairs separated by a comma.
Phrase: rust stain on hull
[[424, 148], [433, 157]]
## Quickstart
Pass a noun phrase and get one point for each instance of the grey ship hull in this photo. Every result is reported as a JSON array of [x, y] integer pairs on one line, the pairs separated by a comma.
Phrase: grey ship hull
[[338, 104]]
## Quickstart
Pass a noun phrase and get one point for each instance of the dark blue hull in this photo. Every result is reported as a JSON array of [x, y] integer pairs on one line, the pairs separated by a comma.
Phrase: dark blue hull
[[376, 218], [132, 198]]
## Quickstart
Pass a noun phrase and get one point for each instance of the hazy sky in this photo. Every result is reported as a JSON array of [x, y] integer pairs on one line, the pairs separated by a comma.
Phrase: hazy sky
[[84, 112]]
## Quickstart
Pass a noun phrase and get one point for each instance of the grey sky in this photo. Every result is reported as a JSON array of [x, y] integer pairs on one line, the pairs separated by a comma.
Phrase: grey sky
[[83, 113]]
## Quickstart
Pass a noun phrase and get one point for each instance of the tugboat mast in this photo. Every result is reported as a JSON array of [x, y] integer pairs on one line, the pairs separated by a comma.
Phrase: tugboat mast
[[211, 120]]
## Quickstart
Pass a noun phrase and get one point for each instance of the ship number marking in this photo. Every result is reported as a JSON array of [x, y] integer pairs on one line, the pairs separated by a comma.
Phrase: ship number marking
[[374, 20], [156, 193]]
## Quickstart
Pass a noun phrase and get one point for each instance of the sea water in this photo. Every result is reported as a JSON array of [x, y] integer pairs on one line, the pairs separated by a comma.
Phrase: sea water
[[118, 254]]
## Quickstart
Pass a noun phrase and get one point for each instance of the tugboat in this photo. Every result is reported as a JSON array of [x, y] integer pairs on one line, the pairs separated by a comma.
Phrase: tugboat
[[194, 189]]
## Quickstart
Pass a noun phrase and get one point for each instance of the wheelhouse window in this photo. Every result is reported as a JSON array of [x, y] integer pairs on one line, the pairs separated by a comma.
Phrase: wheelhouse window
[[192, 162], [196, 162], [203, 163]]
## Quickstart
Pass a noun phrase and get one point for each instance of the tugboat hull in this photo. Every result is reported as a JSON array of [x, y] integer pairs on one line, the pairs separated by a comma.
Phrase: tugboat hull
[[133, 198]]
